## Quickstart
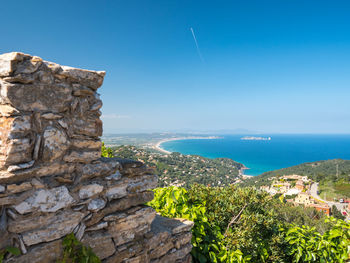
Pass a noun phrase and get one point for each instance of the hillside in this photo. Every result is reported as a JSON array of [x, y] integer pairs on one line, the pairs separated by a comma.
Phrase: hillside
[[184, 170], [333, 176]]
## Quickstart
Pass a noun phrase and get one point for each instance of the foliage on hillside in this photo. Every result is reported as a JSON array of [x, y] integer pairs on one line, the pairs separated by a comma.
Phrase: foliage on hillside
[[184, 170], [245, 225], [333, 175]]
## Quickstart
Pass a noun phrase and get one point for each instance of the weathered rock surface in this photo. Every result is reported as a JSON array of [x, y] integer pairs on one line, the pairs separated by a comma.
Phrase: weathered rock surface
[[53, 181], [125, 229], [46, 201], [53, 227], [90, 190], [101, 243], [55, 144]]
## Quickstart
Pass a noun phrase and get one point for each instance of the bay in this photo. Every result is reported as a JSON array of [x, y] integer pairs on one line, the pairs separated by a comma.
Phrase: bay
[[262, 156]]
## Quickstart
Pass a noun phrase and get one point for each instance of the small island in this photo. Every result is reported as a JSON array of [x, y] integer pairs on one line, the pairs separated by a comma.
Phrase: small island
[[252, 138]]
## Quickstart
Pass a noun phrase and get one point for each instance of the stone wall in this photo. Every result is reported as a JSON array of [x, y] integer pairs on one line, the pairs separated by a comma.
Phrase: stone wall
[[53, 181]]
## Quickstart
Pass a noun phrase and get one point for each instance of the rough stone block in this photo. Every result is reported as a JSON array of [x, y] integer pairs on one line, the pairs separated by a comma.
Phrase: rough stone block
[[124, 230], [46, 201], [82, 157], [61, 224], [121, 204], [100, 242], [42, 253], [37, 97], [90, 190], [55, 143]]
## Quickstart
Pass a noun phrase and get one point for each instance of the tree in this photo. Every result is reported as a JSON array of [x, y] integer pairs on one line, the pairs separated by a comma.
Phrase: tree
[[336, 213]]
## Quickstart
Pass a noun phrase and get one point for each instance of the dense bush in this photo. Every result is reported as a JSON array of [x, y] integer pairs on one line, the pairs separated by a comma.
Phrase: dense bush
[[245, 225], [106, 151], [308, 245]]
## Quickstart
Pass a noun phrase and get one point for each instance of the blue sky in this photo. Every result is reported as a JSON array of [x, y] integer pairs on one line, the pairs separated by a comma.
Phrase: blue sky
[[269, 66]]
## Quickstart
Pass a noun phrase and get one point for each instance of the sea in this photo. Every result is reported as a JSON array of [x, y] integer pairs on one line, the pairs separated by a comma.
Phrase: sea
[[266, 155]]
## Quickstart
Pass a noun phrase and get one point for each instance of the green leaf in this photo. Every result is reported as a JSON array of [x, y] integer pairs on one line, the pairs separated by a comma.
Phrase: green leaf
[[13, 250]]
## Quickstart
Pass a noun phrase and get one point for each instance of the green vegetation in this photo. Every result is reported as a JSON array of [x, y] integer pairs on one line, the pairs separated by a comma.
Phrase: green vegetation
[[336, 213], [184, 170], [75, 252], [333, 177], [305, 244], [11, 250], [244, 225], [106, 151], [331, 190]]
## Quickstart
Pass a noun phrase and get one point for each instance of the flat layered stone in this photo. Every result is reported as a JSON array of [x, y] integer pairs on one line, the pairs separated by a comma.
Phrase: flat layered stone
[[161, 250], [87, 144], [16, 151], [37, 184], [79, 90], [21, 78], [138, 171], [37, 96], [120, 205], [82, 156], [51, 116], [101, 243], [20, 166], [30, 222], [55, 143], [89, 126], [183, 239], [92, 79], [180, 255], [128, 163], [46, 201], [115, 177], [28, 65], [101, 167], [8, 110], [58, 226], [127, 251], [38, 171], [14, 188], [90, 190], [171, 225], [96, 106], [15, 199], [142, 183], [14, 127], [42, 253], [96, 204], [138, 223], [9, 61], [117, 191], [98, 226]]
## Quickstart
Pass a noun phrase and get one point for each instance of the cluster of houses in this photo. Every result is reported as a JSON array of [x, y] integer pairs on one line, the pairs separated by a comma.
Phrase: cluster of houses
[[296, 186]]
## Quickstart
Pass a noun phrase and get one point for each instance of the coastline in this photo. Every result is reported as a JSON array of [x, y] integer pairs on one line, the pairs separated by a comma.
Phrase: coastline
[[158, 147]]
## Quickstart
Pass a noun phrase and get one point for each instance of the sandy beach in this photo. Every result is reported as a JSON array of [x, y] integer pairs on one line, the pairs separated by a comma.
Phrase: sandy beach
[[158, 147]]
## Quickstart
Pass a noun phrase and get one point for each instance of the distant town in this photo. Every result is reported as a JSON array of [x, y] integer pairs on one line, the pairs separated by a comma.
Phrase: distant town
[[301, 190]]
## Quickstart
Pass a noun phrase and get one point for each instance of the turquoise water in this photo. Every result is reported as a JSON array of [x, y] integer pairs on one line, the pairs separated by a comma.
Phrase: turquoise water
[[261, 156]]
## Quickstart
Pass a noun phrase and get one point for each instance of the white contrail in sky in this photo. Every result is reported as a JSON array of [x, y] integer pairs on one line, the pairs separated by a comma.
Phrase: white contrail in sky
[[195, 41]]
